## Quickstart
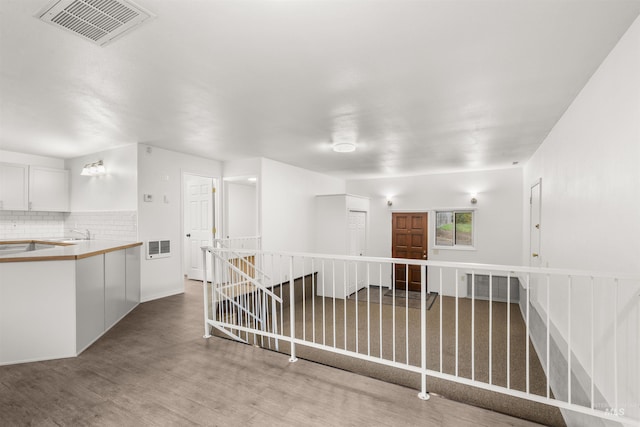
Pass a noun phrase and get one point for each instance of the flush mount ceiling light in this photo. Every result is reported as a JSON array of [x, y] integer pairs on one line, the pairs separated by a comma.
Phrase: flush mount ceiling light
[[93, 169], [344, 146], [99, 21]]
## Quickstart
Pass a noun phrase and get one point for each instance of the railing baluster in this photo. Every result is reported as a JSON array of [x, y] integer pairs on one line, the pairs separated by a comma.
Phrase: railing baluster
[[509, 332], [265, 319], [206, 294], [345, 286], [333, 282], [473, 325], [355, 265], [292, 311], [324, 297], [457, 328], [406, 314], [491, 326], [441, 303], [313, 299], [380, 305], [592, 391], [369, 310], [242, 292], [548, 336], [527, 327], [568, 341], [304, 303], [615, 345], [280, 276], [423, 333], [393, 315]]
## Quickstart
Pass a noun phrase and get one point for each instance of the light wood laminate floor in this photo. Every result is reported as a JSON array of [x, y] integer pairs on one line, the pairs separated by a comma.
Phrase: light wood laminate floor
[[154, 368]]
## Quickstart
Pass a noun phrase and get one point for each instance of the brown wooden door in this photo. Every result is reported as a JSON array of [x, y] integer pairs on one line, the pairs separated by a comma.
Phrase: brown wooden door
[[408, 240]]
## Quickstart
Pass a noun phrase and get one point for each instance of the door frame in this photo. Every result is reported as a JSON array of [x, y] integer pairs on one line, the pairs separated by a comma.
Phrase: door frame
[[537, 183], [352, 286], [215, 179]]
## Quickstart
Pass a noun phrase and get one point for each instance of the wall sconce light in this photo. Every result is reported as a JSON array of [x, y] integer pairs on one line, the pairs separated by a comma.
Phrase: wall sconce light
[[474, 198], [93, 169], [389, 201]]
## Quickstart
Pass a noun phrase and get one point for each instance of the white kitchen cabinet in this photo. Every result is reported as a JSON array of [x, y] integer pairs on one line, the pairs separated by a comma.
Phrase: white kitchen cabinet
[[48, 189], [342, 229], [14, 187], [75, 298], [90, 296]]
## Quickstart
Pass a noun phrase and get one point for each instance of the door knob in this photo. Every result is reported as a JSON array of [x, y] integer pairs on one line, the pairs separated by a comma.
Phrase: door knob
[[189, 235], [535, 255]]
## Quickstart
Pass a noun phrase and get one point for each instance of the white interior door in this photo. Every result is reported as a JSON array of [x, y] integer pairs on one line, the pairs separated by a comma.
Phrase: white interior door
[[534, 225], [199, 222], [357, 227]]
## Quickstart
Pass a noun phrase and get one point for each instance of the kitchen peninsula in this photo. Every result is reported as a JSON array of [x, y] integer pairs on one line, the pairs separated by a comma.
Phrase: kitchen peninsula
[[59, 296]]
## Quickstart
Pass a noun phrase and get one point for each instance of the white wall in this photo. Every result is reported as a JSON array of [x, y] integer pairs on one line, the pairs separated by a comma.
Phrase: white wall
[[241, 207], [498, 214], [115, 191], [590, 170], [160, 174], [242, 167], [288, 205], [237, 169]]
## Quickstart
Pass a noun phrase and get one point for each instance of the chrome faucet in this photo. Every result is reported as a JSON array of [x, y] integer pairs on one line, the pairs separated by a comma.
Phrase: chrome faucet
[[86, 233]]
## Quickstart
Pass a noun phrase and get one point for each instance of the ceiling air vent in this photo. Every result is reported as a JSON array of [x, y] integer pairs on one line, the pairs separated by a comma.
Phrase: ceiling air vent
[[100, 21]]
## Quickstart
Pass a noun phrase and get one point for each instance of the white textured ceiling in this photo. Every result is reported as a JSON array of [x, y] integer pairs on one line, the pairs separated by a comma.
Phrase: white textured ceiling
[[425, 86]]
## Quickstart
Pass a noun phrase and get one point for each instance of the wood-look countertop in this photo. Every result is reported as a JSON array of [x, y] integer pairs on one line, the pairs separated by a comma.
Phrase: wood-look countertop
[[69, 250]]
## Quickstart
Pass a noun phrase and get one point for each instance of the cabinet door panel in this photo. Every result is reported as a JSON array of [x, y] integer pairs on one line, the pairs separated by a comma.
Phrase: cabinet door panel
[[48, 189], [14, 187], [89, 300], [133, 277], [115, 305]]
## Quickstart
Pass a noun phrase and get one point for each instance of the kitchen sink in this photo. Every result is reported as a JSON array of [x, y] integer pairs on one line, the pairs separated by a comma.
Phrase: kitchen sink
[[16, 248]]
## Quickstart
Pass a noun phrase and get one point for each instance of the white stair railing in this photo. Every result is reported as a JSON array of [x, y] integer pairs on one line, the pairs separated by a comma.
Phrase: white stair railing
[[237, 297], [563, 338]]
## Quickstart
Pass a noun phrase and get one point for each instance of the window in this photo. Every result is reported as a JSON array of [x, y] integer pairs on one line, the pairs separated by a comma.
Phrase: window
[[454, 228]]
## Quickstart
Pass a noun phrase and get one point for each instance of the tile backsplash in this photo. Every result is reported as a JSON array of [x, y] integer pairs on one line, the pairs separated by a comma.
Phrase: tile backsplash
[[29, 224], [119, 225]]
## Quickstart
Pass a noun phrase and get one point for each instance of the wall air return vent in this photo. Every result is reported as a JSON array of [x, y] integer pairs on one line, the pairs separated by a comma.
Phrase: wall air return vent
[[99, 21], [158, 249]]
